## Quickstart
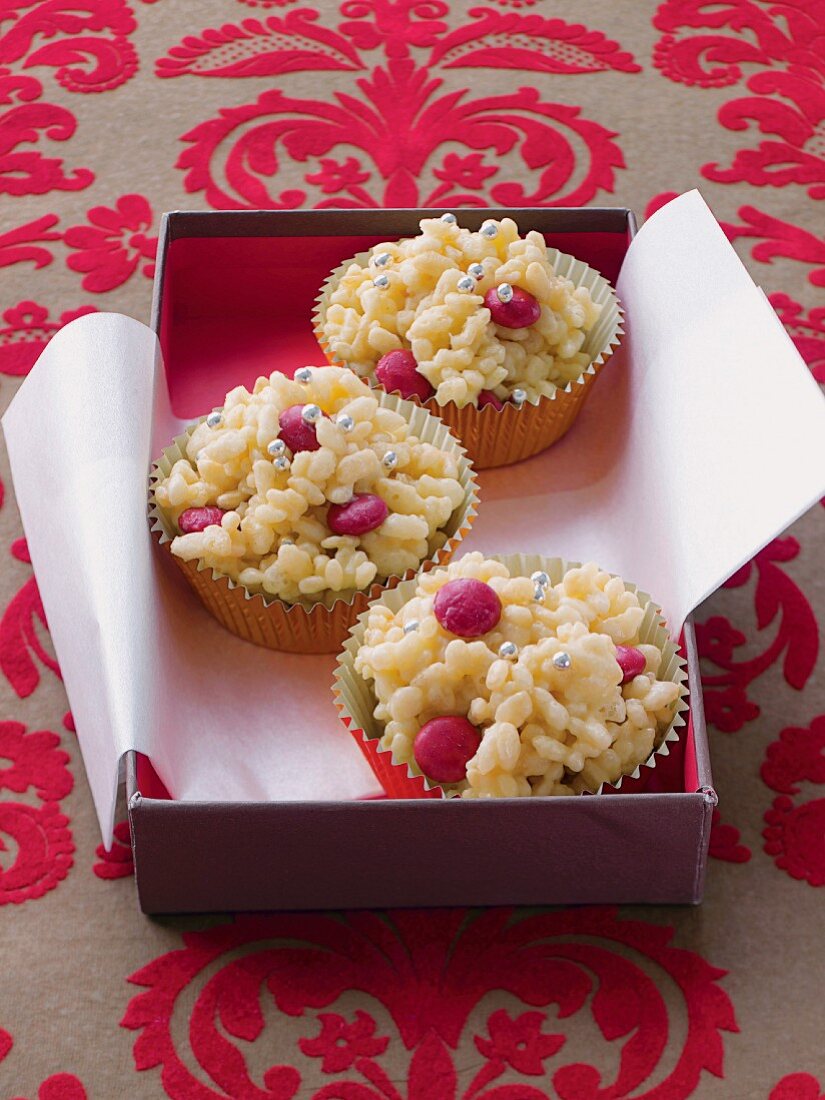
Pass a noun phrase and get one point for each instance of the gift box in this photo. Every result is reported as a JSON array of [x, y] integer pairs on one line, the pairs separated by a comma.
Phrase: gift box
[[703, 437]]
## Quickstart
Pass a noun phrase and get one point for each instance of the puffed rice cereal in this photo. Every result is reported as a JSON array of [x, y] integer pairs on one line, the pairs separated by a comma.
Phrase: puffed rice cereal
[[281, 480], [436, 296], [562, 695]]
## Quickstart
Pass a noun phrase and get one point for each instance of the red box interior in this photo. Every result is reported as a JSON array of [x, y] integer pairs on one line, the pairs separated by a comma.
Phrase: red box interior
[[234, 308]]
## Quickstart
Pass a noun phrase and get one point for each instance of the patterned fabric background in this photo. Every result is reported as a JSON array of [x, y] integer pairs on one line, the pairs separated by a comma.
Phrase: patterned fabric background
[[111, 113]]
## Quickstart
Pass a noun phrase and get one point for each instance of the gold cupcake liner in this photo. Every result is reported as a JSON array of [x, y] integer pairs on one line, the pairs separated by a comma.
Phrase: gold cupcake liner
[[355, 702], [309, 626], [500, 437]]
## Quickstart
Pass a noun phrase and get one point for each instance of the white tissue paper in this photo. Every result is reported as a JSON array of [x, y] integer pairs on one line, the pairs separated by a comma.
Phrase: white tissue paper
[[703, 439]]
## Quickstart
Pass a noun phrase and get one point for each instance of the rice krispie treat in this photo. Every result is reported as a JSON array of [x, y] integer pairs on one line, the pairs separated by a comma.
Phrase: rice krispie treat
[[307, 487], [497, 685], [472, 318]]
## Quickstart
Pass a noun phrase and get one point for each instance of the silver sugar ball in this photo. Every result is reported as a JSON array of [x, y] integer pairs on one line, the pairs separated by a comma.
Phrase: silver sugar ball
[[303, 375], [467, 282], [381, 281], [448, 219], [345, 423], [287, 542], [214, 419], [504, 292], [390, 460], [508, 650], [562, 662], [476, 270], [411, 626], [382, 259], [489, 230], [539, 592], [519, 397], [311, 414], [540, 578], [281, 463], [276, 447]]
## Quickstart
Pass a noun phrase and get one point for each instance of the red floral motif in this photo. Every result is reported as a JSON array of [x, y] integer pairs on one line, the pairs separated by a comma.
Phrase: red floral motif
[[519, 1043], [795, 837], [336, 176], [75, 45], [117, 863], [340, 1043], [60, 1086], [25, 171], [797, 1086], [18, 245], [110, 250], [39, 833], [428, 971], [780, 238], [20, 636], [798, 754], [724, 842], [397, 114], [28, 328], [35, 761], [727, 705], [777, 238], [788, 100], [806, 331]]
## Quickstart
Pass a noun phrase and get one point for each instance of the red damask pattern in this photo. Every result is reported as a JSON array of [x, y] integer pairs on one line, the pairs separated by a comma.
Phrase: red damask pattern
[[807, 330], [60, 1086], [33, 834], [428, 971], [27, 122], [795, 833], [521, 149], [24, 244], [724, 842], [707, 44], [86, 43], [797, 1086], [28, 328], [778, 602], [118, 861], [22, 634], [111, 248]]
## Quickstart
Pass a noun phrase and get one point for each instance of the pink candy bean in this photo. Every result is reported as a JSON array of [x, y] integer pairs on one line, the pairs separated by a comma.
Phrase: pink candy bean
[[467, 608], [295, 432], [521, 311], [198, 519], [363, 513], [397, 371], [443, 747], [631, 661]]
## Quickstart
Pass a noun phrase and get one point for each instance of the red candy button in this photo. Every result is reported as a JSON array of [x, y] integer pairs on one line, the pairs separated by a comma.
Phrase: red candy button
[[467, 607], [631, 661], [487, 397], [363, 513], [521, 311], [397, 371], [443, 746], [198, 519], [296, 432]]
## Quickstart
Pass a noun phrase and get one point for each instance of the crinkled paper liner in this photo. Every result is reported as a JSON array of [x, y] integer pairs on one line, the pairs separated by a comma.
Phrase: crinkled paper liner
[[308, 627], [500, 437], [355, 700]]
